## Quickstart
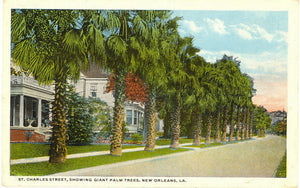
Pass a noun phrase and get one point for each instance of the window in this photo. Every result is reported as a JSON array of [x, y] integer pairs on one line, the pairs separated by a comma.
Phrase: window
[[135, 117], [34, 109], [129, 117], [94, 91]]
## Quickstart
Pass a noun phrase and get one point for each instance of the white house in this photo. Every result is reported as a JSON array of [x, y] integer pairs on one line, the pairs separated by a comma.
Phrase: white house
[[92, 83], [30, 113]]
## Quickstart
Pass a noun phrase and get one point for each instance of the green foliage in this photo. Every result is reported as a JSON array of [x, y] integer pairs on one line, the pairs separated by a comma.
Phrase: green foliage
[[137, 137], [280, 127], [46, 168], [262, 119], [84, 116], [160, 134]]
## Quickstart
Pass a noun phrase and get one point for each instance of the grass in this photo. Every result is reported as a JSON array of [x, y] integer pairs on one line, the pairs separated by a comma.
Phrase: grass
[[46, 168], [29, 150], [281, 170], [164, 141]]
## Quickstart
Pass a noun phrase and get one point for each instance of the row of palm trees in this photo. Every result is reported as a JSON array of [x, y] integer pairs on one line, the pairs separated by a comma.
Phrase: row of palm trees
[[54, 45]]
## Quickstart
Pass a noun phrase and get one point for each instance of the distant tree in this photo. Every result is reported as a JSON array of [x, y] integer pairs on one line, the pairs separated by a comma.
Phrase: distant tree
[[262, 120], [281, 127]]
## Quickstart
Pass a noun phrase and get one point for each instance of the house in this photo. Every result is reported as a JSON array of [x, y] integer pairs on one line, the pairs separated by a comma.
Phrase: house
[[30, 108], [93, 82], [30, 105]]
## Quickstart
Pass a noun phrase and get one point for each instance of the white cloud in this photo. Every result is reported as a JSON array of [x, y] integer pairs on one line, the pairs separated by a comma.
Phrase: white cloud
[[244, 34], [217, 26], [262, 33], [192, 26], [281, 36], [251, 32]]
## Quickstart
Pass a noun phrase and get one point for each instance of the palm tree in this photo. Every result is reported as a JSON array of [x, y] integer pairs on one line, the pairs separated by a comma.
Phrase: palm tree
[[231, 73], [177, 79], [262, 120], [118, 52], [244, 123], [53, 45], [155, 26], [203, 94]]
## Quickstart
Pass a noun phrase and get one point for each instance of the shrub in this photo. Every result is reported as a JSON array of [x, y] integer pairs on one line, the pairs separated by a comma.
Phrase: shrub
[[80, 119], [84, 117], [137, 137], [160, 134]]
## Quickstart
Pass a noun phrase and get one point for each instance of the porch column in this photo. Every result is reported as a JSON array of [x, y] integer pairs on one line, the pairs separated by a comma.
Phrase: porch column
[[14, 111], [21, 112], [50, 111], [39, 114]]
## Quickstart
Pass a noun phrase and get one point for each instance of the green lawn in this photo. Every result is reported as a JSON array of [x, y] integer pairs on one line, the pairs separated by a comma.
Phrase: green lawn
[[27, 150], [281, 171], [46, 168], [163, 141]]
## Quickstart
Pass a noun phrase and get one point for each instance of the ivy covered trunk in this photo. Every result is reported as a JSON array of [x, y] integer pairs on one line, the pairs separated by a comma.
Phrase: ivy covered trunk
[[209, 124], [218, 123], [224, 128], [238, 124], [58, 148], [248, 124], [116, 137], [198, 129], [244, 123], [232, 123], [150, 120], [175, 124]]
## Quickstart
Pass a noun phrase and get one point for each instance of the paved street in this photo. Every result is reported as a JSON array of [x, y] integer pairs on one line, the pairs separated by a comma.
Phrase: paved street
[[255, 158]]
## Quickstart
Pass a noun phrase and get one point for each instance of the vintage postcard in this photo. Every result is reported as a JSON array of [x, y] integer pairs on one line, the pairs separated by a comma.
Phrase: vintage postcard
[[150, 93]]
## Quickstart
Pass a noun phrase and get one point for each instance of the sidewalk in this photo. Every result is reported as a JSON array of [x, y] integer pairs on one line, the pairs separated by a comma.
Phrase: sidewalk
[[89, 154]]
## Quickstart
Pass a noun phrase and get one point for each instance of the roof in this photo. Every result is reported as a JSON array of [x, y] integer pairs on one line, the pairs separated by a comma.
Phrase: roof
[[95, 71]]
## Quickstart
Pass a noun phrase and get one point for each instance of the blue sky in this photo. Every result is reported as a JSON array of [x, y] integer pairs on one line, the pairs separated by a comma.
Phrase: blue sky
[[257, 38]]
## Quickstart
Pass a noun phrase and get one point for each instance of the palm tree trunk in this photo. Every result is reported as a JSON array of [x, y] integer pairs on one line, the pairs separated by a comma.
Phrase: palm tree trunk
[[118, 119], [244, 122], [251, 125], [224, 128], [198, 129], [176, 124], [209, 124], [238, 124], [150, 120], [232, 123], [218, 134], [167, 125], [248, 122], [58, 148]]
